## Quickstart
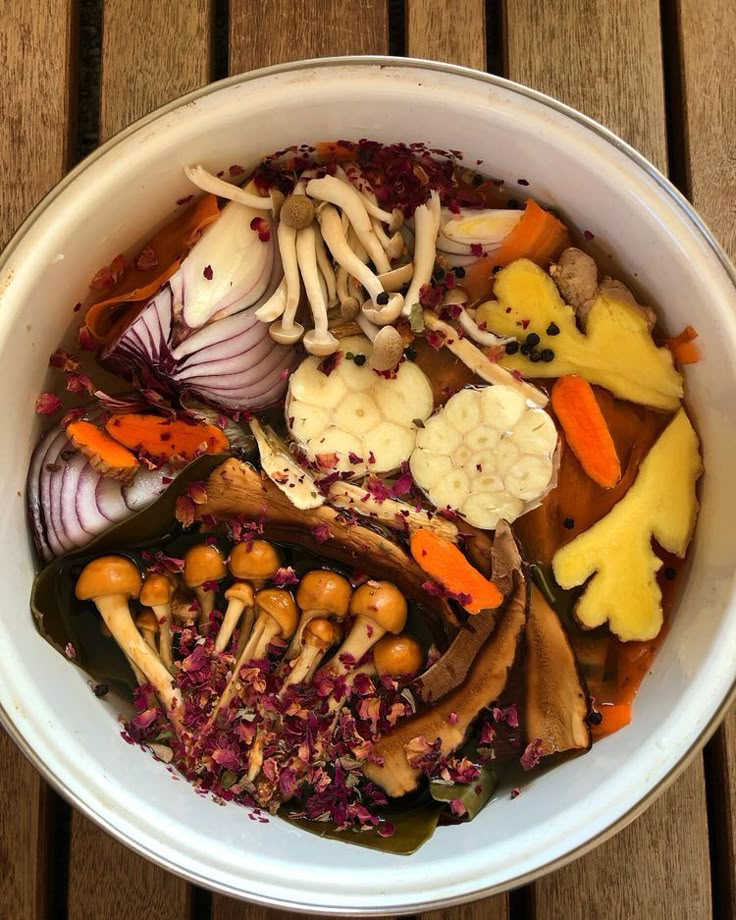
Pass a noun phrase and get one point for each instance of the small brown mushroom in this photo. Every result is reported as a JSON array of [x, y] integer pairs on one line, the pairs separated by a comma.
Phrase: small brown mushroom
[[148, 627], [321, 593], [399, 656], [255, 561], [204, 565], [297, 212], [157, 593], [388, 346], [378, 607], [110, 582], [240, 598], [319, 635]]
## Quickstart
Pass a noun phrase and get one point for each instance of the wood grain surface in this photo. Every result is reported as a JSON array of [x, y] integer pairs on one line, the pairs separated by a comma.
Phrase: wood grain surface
[[447, 30], [606, 60], [264, 32], [152, 51], [496, 908], [706, 36], [35, 141]]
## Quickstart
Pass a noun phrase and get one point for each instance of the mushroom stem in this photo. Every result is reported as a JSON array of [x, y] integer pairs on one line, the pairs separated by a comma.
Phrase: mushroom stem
[[286, 331], [426, 228], [326, 269], [355, 179], [240, 598], [204, 180], [349, 305], [275, 305], [157, 593], [319, 636], [393, 246], [331, 189], [318, 341], [473, 330]]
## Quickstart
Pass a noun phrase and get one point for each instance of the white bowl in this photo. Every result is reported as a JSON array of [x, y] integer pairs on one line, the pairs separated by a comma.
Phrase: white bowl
[[110, 203]]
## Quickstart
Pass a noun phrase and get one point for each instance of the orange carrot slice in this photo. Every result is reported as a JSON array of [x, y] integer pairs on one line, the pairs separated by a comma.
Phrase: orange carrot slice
[[615, 717], [444, 562], [105, 455], [683, 347], [107, 318], [165, 438], [586, 431]]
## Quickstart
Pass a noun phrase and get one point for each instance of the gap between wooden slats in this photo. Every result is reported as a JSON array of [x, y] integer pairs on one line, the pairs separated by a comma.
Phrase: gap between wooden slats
[[606, 59], [152, 51], [701, 60], [36, 54]]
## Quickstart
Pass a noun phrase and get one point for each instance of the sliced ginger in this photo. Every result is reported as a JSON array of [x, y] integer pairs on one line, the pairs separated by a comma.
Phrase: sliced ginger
[[617, 551], [616, 351]]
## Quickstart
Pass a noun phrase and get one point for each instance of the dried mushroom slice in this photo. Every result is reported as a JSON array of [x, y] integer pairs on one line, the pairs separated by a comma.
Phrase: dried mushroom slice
[[486, 455]]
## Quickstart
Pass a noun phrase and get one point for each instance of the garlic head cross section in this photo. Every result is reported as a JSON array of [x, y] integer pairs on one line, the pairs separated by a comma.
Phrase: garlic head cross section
[[354, 419], [487, 455]]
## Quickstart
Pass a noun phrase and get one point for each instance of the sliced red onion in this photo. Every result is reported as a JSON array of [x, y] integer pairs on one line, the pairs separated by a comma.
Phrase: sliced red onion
[[38, 492], [147, 486], [109, 499], [90, 516], [70, 521]]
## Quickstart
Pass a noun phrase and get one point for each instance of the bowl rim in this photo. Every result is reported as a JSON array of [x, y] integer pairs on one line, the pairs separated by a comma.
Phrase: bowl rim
[[686, 210]]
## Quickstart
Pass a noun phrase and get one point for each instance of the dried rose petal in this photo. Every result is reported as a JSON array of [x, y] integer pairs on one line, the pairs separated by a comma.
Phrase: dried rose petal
[[533, 753], [185, 510], [208, 273], [63, 361], [146, 259], [262, 228], [47, 404]]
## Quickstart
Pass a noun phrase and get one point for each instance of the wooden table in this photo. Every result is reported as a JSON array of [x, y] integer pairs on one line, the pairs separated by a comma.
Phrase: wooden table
[[660, 74]]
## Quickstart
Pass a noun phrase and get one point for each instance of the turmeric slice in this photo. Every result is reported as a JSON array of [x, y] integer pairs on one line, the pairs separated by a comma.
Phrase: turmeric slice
[[166, 439], [105, 456], [444, 562], [142, 278], [586, 431]]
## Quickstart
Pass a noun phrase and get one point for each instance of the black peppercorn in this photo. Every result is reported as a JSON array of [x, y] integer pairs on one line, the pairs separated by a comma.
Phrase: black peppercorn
[[532, 339], [497, 269], [670, 574], [359, 360], [459, 272], [382, 299], [569, 523], [595, 717], [547, 355], [477, 180], [535, 357], [512, 348], [411, 353], [525, 349], [100, 690], [439, 273], [553, 329]]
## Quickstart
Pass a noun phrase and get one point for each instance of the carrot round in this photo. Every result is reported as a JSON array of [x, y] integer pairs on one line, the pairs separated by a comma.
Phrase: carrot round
[[105, 455], [615, 717], [163, 438], [586, 431], [683, 347], [444, 562], [538, 236], [107, 318]]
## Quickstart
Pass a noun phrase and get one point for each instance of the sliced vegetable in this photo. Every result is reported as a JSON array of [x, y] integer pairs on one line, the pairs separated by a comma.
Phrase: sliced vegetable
[[236, 489], [683, 347], [350, 419], [462, 235], [444, 562], [282, 469], [142, 278], [485, 455], [616, 351], [557, 703], [163, 438], [105, 455], [450, 719], [538, 236], [614, 558], [586, 431]]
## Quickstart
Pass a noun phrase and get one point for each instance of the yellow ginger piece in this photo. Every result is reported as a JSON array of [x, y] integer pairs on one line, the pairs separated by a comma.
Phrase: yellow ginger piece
[[617, 550], [616, 351]]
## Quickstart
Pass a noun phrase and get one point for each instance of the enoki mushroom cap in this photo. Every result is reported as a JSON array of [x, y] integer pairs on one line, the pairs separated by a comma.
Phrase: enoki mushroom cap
[[240, 591], [203, 563], [280, 606], [146, 620], [321, 633], [325, 591], [381, 602], [297, 212], [398, 656], [107, 576], [157, 590], [255, 559]]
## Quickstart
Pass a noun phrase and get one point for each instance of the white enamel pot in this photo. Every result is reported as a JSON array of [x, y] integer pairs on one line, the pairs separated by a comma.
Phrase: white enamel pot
[[110, 203]]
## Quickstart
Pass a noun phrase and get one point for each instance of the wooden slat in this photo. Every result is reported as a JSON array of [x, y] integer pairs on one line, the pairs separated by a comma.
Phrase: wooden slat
[[288, 30], [152, 51], [447, 30], [495, 908], [106, 880], [707, 37], [35, 106], [606, 59]]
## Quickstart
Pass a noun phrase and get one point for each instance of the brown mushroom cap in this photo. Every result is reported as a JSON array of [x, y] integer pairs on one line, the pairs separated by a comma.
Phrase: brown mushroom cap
[[398, 656], [108, 575], [255, 559], [321, 633], [241, 591], [203, 563], [156, 590], [381, 602], [280, 606], [146, 620], [325, 591], [297, 212]]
